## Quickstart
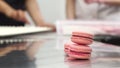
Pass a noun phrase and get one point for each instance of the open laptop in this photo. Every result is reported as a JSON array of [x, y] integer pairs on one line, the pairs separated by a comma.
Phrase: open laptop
[[6, 31]]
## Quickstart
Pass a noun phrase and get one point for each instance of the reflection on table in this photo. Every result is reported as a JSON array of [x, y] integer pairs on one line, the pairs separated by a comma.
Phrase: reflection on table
[[19, 54], [49, 53]]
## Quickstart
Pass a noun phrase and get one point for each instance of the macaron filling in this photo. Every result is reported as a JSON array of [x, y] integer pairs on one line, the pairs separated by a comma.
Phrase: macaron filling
[[79, 53], [82, 36]]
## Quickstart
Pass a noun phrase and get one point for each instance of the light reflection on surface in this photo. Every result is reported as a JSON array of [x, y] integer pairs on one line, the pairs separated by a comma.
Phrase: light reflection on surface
[[78, 63], [14, 47], [50, 54], [19, 55]]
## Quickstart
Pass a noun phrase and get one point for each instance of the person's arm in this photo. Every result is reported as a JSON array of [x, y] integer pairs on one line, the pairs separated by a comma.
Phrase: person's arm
[[10, 12], [6, 9], [70, 9], [110, 2], [34, 11]]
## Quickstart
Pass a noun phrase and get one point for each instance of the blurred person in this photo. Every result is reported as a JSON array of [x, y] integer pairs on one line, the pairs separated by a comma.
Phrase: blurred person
[[12, 13], [93, 9]]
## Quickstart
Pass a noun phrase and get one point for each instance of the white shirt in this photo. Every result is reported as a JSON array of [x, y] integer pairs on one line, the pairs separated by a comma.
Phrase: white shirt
[[96, 11]]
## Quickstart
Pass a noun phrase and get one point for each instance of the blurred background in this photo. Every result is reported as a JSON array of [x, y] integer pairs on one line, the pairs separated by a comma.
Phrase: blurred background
[[52, 10]]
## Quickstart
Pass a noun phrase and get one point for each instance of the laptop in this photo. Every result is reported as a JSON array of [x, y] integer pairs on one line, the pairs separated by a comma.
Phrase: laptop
[[6, 31]]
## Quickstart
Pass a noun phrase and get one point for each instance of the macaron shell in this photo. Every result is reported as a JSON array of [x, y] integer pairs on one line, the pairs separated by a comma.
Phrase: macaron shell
[[81, 34], [81, 40], [78, 48], [80, 56]]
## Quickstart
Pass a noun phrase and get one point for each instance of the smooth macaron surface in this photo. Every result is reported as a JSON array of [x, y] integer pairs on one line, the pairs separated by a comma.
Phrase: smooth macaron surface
[[82, 34], [82, 38]]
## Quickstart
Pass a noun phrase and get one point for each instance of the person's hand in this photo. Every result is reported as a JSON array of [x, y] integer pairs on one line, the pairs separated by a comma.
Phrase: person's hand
[[18, 15], [94, 1], [47, 25], [89, 1]]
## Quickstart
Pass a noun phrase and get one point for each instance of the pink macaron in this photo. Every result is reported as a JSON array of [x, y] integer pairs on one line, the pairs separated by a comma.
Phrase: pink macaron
[[77, 51], [82, 38]]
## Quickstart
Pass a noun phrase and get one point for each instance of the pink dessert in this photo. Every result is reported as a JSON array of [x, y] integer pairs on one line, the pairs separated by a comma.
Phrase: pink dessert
[[77, 51], [82, 38]]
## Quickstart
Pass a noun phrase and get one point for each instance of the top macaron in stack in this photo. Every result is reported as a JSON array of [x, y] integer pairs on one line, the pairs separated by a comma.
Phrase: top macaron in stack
[[78, 48]]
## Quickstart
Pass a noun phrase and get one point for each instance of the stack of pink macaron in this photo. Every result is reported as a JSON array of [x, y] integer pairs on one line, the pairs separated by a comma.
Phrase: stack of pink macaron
[[78, 47]]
